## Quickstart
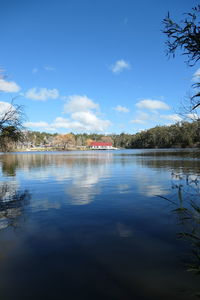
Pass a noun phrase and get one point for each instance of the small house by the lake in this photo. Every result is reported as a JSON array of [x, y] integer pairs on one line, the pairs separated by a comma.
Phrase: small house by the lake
[[101, 146]]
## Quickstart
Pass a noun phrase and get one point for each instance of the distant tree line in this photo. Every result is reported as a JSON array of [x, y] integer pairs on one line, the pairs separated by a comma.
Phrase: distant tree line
[[181, 134]]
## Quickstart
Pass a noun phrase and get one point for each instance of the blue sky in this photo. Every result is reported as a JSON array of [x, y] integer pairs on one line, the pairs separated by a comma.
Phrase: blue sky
[[92, 66]]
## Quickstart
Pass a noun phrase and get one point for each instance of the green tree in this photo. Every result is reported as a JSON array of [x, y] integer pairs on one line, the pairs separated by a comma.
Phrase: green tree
[[186, 37]]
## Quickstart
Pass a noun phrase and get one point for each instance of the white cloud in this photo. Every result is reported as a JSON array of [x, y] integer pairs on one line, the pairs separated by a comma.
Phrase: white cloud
[[2, 71], [49, 68], [196, 75], [173, 118], [35, 70], [9, 86], [60, 122], [154, 118], [90, 122], [138, 121], [82, 122], [122, 109], [85, 117], [152, 104], [4, 107], [141, 118], [119, 66], [36, 124], [64, 123], [46, 68], [82, 118], [41, 94], [79, 103], [192, 116]]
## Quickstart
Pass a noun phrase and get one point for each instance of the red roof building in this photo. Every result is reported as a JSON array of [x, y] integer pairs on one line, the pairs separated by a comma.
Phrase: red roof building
[[100, 145]]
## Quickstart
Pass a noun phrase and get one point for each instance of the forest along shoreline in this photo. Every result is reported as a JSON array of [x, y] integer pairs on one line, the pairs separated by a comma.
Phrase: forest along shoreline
[[179, 135]]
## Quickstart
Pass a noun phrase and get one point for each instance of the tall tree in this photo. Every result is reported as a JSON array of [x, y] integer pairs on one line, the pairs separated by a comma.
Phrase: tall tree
[[11, 124], [65, 141], [186, 37]]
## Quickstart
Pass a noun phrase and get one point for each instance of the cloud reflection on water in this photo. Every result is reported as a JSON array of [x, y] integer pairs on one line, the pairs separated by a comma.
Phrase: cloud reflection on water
[[77, 175], [85, 181]]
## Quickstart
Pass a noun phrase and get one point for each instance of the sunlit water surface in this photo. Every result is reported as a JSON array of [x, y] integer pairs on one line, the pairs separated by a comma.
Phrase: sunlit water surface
[[91, 225]]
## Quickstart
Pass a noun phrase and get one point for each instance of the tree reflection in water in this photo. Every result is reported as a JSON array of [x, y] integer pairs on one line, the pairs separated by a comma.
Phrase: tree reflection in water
[[186, 201], [12, 203]]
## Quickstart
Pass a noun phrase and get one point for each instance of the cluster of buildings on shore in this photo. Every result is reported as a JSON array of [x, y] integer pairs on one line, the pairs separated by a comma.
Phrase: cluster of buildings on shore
[[93, 146]]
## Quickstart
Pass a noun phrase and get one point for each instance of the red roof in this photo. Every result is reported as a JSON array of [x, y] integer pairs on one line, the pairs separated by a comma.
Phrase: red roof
[[100, 144]]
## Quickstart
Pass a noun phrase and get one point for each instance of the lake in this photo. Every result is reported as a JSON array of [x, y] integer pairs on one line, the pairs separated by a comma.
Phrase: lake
[[97, 225]]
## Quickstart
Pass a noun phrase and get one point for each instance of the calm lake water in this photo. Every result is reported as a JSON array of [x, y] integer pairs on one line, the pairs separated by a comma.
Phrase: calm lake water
[[91, 225]]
